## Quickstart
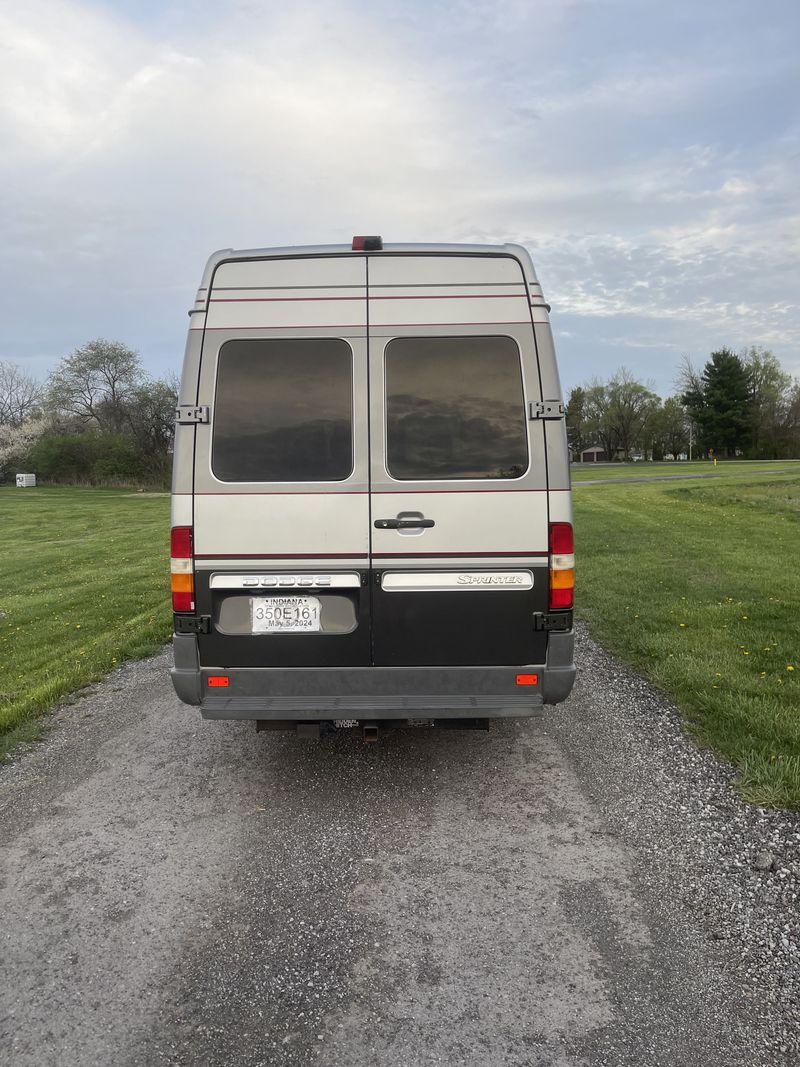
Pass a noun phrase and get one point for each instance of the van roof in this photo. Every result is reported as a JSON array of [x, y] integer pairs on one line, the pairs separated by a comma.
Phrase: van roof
[[225, 254]]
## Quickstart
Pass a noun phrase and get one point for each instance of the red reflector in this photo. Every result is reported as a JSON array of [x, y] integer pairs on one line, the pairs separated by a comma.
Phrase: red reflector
[[527, 679], [561, 598], [219, 681], [367, 244], [561, 539], [180, 542]]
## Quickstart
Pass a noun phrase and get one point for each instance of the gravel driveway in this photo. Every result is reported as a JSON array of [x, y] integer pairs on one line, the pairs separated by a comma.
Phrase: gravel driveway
[[581, 889]]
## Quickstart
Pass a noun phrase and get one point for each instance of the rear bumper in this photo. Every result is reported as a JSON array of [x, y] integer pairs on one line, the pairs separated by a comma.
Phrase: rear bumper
[[319, 693]]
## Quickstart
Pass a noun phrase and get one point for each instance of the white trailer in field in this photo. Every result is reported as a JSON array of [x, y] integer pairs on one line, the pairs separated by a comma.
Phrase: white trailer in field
[[26, 481]]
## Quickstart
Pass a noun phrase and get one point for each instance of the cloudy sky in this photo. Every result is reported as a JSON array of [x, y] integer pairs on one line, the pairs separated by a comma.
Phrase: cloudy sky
[[648, 155]]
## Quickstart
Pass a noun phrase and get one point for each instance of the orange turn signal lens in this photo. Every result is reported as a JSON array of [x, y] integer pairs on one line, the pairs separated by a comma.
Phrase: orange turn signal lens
[[562, 579], [182, 583], [182, 591]]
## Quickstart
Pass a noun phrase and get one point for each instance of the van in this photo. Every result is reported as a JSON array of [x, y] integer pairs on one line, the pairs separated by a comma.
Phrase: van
[[371, 508]]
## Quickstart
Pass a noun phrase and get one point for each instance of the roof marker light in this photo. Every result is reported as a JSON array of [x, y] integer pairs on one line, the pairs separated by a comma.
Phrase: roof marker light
[[367, 244]]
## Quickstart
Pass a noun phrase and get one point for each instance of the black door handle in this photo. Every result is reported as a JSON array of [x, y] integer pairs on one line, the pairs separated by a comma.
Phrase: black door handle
[[404, 524]]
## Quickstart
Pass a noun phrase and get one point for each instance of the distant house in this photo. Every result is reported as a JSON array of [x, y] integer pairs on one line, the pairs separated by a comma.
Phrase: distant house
[[595, 454]]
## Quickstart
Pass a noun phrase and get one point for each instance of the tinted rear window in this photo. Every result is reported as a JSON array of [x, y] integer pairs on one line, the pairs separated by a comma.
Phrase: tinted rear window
[[455, 408], [283, 411]]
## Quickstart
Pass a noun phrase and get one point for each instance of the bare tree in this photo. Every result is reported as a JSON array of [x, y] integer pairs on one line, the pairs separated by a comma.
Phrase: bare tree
[[151, 420], [689, 384], [671, 428], [688, 380], [770, 404], [577, 421], [598, 425], [629, 405], [95, 384], [20, 395]]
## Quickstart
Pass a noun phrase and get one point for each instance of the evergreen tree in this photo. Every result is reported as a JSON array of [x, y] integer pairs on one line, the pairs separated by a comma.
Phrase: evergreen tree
[[720, 404]]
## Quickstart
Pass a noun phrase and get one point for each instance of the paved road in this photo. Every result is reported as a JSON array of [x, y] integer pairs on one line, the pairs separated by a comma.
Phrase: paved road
[[181, 892]]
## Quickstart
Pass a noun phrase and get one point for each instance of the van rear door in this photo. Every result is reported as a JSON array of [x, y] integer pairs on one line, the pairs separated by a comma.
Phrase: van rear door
[[459, 503], [281, 506]]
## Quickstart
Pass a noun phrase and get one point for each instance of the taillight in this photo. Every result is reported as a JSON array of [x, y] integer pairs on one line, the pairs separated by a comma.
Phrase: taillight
[[181, 567], [562, 565]]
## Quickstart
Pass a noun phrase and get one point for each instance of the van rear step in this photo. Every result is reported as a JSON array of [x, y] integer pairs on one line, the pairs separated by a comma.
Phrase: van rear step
[[318, 709], [369, 730]]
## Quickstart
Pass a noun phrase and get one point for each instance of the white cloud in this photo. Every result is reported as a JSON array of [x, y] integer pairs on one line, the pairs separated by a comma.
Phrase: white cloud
[[254, 133], [135, 146]]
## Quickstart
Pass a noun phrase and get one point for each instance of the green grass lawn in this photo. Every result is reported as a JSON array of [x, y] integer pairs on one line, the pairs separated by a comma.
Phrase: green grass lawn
[[583, 472], [84, 584], [697, 585]]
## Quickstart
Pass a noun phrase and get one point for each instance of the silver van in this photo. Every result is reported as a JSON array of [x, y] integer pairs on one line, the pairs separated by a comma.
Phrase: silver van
[[371, 509]]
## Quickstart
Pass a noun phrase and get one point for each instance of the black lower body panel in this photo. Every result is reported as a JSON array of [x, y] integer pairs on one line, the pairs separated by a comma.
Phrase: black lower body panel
[[457, 628]]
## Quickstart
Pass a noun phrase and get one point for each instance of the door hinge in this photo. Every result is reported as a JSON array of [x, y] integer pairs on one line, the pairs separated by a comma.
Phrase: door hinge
[[546, 409], [189, 415], [562, 621], [192, 624]]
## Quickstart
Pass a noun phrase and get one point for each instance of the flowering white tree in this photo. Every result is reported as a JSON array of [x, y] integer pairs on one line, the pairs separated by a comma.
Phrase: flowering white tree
[[16, 440]]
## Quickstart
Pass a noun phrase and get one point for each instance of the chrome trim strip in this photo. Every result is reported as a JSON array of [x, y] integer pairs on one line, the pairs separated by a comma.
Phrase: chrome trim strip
[[285, 581], [455, 581]]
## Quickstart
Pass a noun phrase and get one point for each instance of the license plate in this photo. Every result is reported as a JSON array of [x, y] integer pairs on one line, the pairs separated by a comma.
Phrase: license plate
[[285, 614]]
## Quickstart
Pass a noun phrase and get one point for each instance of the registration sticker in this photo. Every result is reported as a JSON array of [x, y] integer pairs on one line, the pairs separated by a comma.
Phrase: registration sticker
[[286, 614]]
